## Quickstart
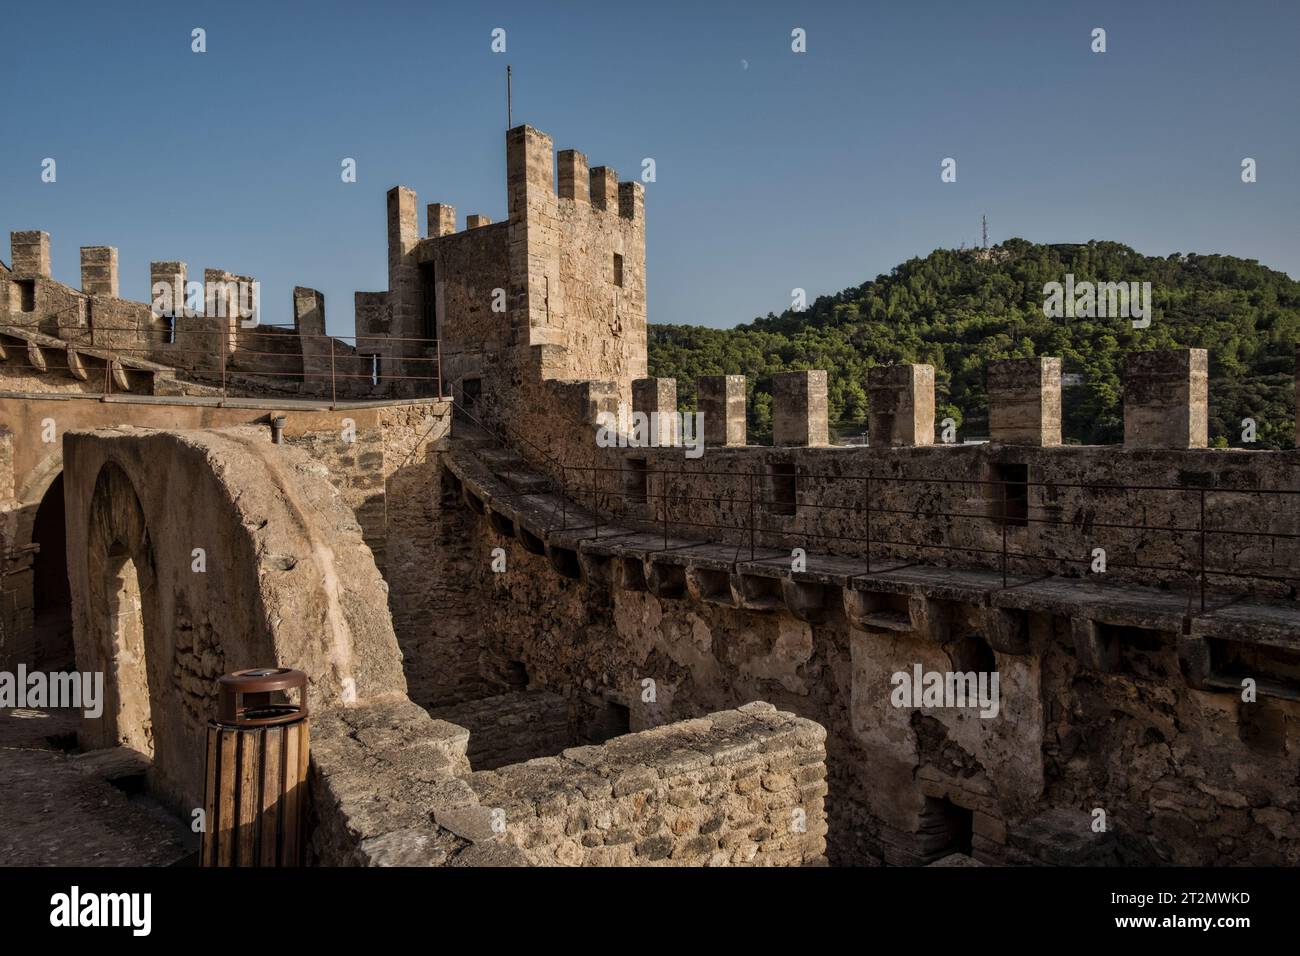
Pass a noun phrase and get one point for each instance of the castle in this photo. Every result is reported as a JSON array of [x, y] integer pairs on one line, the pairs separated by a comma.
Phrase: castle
[[525, 646]]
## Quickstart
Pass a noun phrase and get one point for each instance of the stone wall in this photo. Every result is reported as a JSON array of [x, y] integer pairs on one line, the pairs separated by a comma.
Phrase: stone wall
[[512, 727], [259, 359], [385, 474], [468, 266], [392, 787], [388, 475], [942, 505], [732, 788], [1098, 707], [257, 562]]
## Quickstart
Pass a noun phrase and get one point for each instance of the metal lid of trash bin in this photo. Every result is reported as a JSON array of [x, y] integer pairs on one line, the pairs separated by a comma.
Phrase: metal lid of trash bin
[[245, 698]]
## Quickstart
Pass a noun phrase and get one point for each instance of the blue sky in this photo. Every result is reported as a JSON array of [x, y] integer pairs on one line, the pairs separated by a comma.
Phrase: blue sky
[[774, 169]]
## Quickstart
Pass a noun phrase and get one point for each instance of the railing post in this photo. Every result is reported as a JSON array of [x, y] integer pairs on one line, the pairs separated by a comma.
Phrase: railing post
[[753, 517], [663, 500], [1004, 537], [595, 504], [868, 524], [334, 391], [224, 345], [438, 347], [1202, 529]]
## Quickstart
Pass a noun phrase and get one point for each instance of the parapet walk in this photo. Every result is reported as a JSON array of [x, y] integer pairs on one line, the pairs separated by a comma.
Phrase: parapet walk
[[890, 595]]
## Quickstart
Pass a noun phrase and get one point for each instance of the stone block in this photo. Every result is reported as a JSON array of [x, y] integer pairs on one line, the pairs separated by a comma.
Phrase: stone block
[[799, 408], [1166, 402], [1025, 401], [901, 408], [721, 400], [30, 253], [99, 270]]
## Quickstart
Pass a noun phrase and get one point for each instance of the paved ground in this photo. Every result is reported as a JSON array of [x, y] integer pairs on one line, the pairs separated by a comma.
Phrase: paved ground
[[57, 808]]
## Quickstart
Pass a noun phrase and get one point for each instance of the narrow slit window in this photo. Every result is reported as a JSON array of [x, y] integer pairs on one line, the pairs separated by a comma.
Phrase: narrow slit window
[[1009, 494], [27, 294], [782, 496]]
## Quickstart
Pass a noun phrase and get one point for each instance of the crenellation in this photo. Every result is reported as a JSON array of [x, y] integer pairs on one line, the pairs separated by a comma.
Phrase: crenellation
[[405, 300], [799, 408], [475, 221], [30, 253], [901, 410], [575, 177], [657, 397], [721, 400], [631, 201], [99, 270], [604, 188], [1025, 401], [167, 285], [1166, 401], [442, 219], [308, 311]]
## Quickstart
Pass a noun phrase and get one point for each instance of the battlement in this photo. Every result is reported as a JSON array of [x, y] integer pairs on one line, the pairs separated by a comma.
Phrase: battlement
[[1165, 403], [555, 291], [210, 331], [1021, 501], [99, 270], [531, 160]]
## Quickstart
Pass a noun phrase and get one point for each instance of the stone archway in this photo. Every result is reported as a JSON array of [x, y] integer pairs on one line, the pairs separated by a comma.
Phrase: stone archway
[[197, 553], [123, 614], [52, 648], [34, 550]]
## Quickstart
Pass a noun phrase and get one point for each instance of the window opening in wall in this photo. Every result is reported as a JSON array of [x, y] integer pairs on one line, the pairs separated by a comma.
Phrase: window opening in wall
[[26, 294], [634, 478], [953, 826], [972, 654], [516, 675], [618, 270], [169, 337], [1009, 493], [374, 369], [471, 391], [429, 289], [782, 496], [616, 721]]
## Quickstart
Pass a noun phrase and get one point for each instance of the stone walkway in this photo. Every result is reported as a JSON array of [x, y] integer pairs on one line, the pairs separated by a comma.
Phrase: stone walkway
[[57, 809]]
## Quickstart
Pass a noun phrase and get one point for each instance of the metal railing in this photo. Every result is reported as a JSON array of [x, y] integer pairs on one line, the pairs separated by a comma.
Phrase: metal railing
[[742, 509], [874, 505], [248, 353]]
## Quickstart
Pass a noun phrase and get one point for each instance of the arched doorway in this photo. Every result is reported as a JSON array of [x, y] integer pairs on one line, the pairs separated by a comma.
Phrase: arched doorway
[[121, 613], [51, 594]]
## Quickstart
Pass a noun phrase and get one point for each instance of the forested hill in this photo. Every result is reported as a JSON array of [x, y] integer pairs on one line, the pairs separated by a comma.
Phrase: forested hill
[[957, 310]]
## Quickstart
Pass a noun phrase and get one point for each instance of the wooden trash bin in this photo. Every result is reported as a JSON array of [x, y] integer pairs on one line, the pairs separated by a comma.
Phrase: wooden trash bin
[[255, 799]]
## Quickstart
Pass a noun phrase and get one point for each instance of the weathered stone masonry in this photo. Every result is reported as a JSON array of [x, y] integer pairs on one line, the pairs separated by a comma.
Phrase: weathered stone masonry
[[596, 699], [1118, 691]]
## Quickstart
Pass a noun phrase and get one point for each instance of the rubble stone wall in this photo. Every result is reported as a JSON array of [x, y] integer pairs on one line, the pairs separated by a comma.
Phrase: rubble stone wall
[[940, 505], [391, 786], [731, 788], [1135, 737]]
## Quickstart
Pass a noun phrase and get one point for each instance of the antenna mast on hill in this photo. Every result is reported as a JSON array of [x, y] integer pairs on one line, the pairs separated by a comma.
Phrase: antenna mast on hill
[[510, 111], [984, 228]]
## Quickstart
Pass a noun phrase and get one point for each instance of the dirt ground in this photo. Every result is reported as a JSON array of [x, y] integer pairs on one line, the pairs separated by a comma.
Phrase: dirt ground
[[59, 808]]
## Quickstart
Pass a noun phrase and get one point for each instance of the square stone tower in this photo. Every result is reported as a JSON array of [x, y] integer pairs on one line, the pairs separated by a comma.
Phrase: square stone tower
[[557, 289]]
